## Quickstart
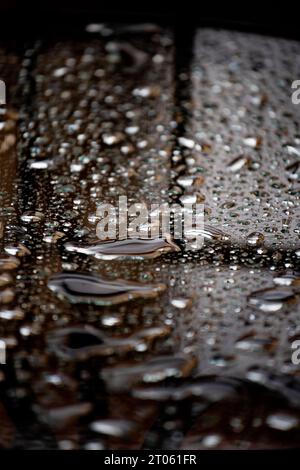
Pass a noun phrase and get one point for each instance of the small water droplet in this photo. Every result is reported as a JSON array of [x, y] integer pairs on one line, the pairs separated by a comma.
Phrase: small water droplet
[[185, 181], [212, 440], [188, 143], [44, 164], [253, 142], [58, 73], [113, 427], [32, 217], [147, 91], [181, 303], [238, 163], [113, 139], [282, 421], [293, 151], [132, 130], [54, 237]]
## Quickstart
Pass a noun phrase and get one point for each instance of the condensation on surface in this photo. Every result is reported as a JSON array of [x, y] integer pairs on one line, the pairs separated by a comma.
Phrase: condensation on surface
[[246, 134], [201, 357]]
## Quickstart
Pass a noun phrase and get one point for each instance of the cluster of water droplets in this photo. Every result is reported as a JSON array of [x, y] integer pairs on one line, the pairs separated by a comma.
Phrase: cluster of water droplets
[[134, 342]]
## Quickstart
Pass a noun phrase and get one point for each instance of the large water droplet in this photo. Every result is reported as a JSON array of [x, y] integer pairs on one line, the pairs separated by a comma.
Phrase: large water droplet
[[271, 299], [293, 170], [255, 239], [5, 279], [19, 250], [90, 289], [8, 263], [83, 342], [134, 248], [289, 279], [124, 376]]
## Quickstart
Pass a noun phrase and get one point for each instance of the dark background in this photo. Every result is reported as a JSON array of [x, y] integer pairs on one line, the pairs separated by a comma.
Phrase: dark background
[[22, 18]]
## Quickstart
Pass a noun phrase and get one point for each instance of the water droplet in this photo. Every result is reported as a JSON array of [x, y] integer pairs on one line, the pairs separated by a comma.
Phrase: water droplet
[[287, 280], [44, 164], [32, 217], [293, 170], [210, 390], [213, 233], [8, 263], [282, 421], [54, 237], [181, 303], [78, 343], [123, 376], [58, 73], [63, 416], [212, 440], [134, 248], [227, 205], [86, 288], [94, 446], [238, 163], [113, 427], [113, 139], [131, 130], [271, 299], [6, 296], [293, 151], [185, 181], [19, 250], [252, 141], [147, 91], [255, 239], [7, 142], [5, 279], [111, 320], [127, 149], [95, 27], [255, 343], [82, 342], [189, 199], [15, 314], [188, 143]]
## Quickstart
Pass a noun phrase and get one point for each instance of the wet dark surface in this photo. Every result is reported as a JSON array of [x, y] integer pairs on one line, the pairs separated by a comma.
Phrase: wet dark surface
[[132, 345]]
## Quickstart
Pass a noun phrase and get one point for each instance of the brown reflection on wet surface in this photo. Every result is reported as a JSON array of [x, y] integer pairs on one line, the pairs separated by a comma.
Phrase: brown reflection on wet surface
[[133, 343]]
